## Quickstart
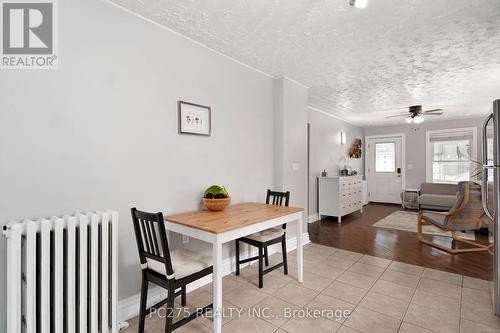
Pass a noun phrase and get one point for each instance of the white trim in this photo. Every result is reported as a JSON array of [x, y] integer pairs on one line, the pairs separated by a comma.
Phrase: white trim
[[403, 157], [129, 307], [313, 218], [285, 77], [333, 116], [185, 37], [428, 150]]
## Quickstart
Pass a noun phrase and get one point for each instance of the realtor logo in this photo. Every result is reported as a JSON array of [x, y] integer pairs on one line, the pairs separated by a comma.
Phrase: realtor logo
[[28, 35]]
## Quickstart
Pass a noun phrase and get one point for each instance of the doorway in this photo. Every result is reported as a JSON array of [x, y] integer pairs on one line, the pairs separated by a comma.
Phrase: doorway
[[385, 167]]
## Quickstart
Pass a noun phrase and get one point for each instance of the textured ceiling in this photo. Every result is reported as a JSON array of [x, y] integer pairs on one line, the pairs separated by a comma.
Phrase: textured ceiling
[[360, 64]]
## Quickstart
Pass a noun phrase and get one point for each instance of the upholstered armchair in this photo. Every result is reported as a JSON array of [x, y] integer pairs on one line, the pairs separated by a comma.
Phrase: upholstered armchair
[[466, 214]]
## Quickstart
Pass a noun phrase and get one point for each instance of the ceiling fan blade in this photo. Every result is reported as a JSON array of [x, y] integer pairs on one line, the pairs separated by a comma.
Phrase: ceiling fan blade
[[433, 110], [399, 115], [434, 114]]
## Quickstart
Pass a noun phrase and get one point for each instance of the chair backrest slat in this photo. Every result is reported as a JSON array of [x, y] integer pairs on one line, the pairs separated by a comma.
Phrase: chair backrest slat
[[276, 198], [151, 238], [468, 208]]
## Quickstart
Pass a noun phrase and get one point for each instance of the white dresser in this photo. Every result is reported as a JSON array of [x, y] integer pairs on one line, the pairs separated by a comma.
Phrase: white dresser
[[339, 196]]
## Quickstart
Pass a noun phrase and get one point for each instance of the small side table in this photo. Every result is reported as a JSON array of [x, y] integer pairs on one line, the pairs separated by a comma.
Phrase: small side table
[[409, 198]]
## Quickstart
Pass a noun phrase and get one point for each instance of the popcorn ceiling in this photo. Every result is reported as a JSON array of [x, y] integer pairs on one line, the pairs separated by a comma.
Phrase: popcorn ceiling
[[360, 64]]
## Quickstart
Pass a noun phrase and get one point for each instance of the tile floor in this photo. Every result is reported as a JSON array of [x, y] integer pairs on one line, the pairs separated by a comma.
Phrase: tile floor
[[381, 296]]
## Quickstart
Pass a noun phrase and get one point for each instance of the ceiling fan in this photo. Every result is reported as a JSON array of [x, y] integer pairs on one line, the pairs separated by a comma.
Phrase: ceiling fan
[[416, 115]]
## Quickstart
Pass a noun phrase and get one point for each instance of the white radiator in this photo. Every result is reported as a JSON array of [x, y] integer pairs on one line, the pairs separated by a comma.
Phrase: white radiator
[[61, 274]]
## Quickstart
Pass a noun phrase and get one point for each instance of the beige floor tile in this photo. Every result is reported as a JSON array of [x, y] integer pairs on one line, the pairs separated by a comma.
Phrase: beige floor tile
[[365, 320], [347, 329], [328, 271], [477, 306], [400, 278], [339, 261], [156, 323], [319, 250], [198, 298], [337, 309], [294, 294], [406, 268], [386, 305], [309, 325], [345, 292], [194, 326], [381, 262], [367, 269], [271, 283], [473, 283], [410, 328], [439, 288], [357, 280], [314, 281], [442, 276], [442, 303], [229, 311], [393, 290], [436, 320], [473, 327], [245, 298], [273, 310], [247, 324], [348, 254]]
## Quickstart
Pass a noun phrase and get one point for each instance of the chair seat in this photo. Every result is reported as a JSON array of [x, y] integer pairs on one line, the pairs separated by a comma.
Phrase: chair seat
[[440, 221], [184, 263], [267, 235]]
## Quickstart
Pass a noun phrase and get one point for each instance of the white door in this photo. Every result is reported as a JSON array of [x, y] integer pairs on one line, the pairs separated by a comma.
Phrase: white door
[[384, 169]]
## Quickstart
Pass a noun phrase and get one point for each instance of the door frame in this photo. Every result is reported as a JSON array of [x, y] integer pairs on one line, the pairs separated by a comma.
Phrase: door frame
[[403, 157]]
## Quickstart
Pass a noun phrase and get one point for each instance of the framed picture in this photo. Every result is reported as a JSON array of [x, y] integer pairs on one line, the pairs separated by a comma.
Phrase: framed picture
[[194, 118]]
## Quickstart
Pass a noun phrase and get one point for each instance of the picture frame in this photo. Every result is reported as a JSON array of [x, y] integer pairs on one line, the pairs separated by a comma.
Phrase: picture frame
[[194, 118]]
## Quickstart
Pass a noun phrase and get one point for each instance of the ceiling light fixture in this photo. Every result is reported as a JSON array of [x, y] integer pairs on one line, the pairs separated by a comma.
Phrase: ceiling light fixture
[[358, 3], [409, 120], [418, 119]]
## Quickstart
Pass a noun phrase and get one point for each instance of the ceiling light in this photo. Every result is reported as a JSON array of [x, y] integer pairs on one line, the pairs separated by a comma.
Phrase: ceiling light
[[418, 119], [358, 3], [409, 120]]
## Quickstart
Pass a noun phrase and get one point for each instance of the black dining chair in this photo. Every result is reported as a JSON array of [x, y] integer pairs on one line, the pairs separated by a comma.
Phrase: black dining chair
[[266, 238], [171, 270]]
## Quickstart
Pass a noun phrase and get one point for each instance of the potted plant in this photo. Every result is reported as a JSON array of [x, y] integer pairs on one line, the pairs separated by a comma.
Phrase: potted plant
[[216, 198]]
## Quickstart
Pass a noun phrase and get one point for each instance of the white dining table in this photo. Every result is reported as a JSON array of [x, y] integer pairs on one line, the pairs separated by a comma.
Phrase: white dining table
[[234, 222]]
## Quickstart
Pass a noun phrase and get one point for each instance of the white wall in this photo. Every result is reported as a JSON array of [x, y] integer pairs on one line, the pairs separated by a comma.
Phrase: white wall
[[326, 151], [290, 128], [101, 131], [416, 142]]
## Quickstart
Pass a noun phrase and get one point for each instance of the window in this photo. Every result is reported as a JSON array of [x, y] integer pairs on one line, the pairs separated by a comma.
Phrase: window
[[385, 157], [449, 155]]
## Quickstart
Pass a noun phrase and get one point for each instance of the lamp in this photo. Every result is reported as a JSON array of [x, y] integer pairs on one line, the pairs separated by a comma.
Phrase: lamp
[[358, 3], [343, 138], [409, 120]]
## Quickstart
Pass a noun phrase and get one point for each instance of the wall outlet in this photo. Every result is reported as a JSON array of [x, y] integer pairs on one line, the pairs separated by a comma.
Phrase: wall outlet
[[185, 239], [295, 166]]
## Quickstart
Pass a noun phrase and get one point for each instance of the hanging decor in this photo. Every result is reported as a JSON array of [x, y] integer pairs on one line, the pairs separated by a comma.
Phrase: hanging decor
[[355, 150]]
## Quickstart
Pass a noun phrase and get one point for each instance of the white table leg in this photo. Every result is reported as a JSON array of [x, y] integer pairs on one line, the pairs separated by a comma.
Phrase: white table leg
[[217, 287], [300, 261]]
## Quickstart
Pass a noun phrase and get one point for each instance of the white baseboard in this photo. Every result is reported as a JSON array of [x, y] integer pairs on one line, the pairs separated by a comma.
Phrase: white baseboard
[[129, 307], [313, 218]]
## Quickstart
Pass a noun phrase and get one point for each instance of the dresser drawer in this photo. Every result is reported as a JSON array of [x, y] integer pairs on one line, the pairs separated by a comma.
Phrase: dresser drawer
[[350, 184]]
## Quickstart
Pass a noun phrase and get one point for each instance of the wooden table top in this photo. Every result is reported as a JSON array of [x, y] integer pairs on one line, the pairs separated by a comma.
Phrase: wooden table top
[[233, 217]]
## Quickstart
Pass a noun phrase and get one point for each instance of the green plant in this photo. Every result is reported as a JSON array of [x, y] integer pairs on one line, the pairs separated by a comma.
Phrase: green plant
[[216, 192]]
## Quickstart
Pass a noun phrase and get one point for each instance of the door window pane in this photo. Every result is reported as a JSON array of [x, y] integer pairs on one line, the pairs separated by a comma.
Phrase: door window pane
[[385, 157]]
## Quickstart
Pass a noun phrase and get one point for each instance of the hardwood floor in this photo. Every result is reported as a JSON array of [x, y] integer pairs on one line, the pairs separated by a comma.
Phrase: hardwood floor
[[357, 234]]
